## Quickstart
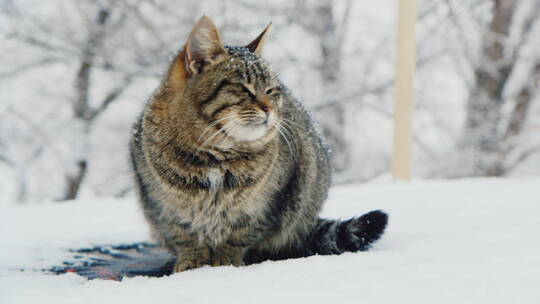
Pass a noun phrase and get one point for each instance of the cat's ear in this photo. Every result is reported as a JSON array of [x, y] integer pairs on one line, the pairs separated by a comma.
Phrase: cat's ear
[[256, 45], [203, 47]]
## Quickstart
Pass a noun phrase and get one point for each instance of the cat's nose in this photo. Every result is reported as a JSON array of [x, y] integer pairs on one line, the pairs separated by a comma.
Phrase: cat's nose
[[265, 104]]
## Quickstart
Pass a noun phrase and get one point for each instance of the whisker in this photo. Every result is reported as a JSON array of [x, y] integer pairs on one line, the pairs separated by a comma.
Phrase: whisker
[[293, 122], [231, 130], [286, 136], [215, 122], [292, 152], [226, 132], [220, 130], [292, 136]]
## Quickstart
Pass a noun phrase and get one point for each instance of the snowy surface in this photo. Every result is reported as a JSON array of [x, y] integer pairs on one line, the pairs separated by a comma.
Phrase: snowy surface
[[466, 241]]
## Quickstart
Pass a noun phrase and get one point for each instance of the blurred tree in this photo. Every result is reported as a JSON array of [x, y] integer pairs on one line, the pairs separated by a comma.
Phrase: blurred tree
[[322, 20], [83, 43], [75, 73], [496, 114], [20, 130], [82, 111]]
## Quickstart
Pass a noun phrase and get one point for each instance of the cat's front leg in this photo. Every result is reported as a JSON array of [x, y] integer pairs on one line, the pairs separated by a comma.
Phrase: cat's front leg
[[232, 251], [226, 254], [192, 256]]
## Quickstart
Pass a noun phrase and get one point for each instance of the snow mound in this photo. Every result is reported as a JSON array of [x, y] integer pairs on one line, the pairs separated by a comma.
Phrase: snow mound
[[466, 241]]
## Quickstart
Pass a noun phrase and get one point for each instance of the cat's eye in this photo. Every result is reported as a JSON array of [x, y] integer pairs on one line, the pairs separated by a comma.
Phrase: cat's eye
[[270, 91]]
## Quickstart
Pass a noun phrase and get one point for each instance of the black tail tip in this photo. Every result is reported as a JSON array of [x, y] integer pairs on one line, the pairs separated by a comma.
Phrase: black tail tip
[[374, 224]]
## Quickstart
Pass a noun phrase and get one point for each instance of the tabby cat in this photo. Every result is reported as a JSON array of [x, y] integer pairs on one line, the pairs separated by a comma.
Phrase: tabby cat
[[229, 167]]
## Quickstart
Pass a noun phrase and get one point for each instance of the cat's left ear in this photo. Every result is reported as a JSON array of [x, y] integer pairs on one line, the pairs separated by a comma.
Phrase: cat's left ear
[[256, 45], [203, 47]]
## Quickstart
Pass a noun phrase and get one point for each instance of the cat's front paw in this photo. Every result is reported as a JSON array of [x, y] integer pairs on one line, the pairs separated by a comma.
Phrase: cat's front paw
[[187, 264], [225, 260]]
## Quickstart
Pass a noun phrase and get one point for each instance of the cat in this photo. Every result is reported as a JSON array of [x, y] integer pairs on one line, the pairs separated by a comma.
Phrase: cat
[[229, 167]]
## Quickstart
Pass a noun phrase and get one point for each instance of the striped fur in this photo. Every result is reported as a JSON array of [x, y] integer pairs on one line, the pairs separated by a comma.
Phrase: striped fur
[[229, 167]]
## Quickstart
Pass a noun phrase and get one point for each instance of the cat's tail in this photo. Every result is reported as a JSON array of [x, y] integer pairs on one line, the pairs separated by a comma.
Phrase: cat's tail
[[330, 237], [356, 234]]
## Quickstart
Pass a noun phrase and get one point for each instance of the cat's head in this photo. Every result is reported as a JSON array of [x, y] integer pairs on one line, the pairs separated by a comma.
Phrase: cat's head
[[231, 90]]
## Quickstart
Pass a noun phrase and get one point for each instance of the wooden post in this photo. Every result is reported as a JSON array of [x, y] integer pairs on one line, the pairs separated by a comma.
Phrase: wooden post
[[404, 90]]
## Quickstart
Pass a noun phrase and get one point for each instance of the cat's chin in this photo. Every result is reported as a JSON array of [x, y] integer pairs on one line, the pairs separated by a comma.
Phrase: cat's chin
[[250, 132]]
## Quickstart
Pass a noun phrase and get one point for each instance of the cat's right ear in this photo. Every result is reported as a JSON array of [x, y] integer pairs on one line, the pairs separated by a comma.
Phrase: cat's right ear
[[203, 47], [256, 45]]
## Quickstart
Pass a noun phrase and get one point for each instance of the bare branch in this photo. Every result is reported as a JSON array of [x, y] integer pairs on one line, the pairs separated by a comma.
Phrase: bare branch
[[526, 30], [523, 157], [29, 66], [39, 43], [110, 98], [454, 17], [518, 116]]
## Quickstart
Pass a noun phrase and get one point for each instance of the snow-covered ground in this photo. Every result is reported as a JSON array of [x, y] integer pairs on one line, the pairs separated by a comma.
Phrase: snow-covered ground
[[463, 241]]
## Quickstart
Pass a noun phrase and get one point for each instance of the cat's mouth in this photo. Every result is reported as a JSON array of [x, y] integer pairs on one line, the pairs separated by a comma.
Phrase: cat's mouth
[[251, 130], [261, 122]]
